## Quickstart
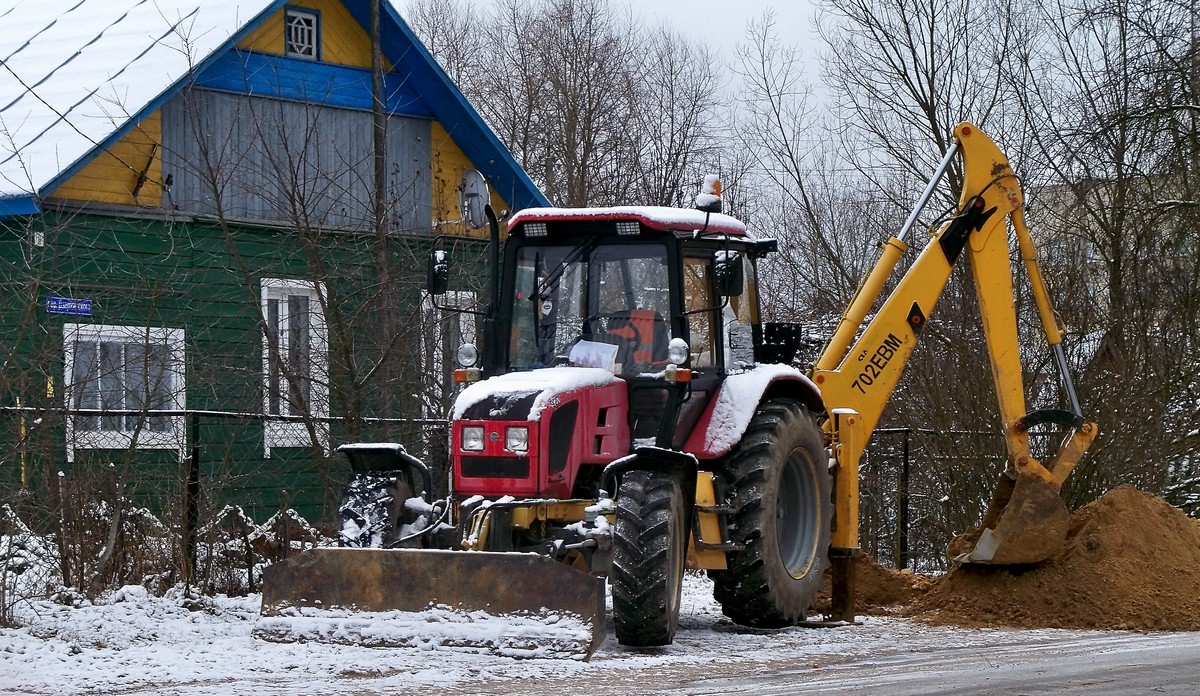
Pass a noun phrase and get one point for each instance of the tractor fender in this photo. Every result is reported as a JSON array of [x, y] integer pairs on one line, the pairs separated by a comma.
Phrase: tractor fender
[[727, 415], [680, 464]]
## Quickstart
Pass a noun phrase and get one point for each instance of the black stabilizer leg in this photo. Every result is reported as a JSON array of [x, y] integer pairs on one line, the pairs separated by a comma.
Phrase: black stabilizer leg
[[842, 601]]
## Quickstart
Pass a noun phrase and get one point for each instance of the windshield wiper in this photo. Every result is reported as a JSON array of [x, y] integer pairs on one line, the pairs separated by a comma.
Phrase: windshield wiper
[[551, 280]]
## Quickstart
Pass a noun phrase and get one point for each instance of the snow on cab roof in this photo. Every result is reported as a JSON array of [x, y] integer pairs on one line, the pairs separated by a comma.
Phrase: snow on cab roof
[[76, 71], [655, 217]]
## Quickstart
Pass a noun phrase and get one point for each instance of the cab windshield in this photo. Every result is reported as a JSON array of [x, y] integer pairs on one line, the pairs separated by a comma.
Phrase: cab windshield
[[590, 304]]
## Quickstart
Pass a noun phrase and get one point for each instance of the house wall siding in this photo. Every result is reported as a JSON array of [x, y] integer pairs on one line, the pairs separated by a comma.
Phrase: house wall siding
[[293, 171], [204, 278], [298, 164]]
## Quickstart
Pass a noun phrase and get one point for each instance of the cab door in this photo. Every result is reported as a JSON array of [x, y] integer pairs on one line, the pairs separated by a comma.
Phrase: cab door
[[702, 330]]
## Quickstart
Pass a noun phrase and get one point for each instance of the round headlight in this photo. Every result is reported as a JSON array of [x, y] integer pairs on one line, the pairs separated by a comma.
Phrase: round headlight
[[468, 355], [677, 351]]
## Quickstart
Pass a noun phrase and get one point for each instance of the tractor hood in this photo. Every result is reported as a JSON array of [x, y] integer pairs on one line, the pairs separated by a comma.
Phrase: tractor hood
[[523, 395]]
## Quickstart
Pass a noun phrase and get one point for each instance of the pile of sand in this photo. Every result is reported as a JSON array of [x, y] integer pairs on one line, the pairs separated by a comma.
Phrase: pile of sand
[[878, 589], [1131, 561]]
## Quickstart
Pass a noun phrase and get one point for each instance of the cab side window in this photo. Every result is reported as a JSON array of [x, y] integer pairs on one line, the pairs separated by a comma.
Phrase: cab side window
[[699, 306]]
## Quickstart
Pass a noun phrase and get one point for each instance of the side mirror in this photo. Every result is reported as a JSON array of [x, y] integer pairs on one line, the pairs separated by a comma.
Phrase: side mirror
[[439, 272], [728, 273], [472, 197]]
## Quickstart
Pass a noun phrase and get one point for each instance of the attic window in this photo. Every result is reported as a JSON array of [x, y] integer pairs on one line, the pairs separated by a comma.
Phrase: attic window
[[300, 33]]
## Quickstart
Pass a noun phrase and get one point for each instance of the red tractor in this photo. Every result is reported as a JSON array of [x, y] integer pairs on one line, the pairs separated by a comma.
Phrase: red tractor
[[631, 416]]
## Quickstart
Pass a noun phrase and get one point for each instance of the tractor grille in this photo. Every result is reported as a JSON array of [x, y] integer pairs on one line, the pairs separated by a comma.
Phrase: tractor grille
[[495, 467]]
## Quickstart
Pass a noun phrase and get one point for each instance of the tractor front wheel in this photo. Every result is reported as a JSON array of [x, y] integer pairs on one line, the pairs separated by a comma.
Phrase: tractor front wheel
[[649, 551], [782, 514]]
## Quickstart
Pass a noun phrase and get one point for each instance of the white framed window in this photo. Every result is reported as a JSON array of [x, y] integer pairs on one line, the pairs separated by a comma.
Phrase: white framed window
[[124, 369], [301, 33], [295, 363]]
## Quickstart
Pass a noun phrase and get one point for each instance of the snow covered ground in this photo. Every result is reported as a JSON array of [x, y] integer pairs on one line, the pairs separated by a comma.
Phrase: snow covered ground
[[134, 643]]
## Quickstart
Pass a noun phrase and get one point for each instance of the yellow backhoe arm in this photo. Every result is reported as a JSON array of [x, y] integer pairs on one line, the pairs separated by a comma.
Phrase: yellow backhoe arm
[[858, 375]]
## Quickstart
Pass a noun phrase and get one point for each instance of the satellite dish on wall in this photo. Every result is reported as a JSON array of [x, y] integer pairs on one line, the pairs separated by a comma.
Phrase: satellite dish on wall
[[472, 197]]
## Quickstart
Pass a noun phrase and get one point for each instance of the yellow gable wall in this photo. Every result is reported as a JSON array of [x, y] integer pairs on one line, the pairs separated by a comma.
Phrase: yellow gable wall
[[448, 164], [343, 40], [113, 175]]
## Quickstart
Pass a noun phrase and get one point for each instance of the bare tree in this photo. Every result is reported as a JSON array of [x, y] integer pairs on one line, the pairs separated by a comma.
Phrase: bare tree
[[586, 54], [828, 221], [1112, 114], [452, 31], [679, 119], [598, 110], [905, 73]]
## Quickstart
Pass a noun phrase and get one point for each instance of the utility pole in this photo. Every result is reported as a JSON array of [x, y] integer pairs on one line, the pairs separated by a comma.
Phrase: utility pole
[[387, 300]]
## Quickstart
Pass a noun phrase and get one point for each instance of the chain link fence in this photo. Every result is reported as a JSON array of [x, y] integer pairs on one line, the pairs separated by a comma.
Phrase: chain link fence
[[199, 517], [204, 515], [919, 488]]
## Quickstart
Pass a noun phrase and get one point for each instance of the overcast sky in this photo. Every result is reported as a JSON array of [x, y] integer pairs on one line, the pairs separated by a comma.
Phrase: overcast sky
[[719, 23], [722, 23]]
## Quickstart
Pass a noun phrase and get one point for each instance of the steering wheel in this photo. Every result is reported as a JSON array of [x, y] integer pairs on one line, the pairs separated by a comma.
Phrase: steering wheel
[[621, 325]]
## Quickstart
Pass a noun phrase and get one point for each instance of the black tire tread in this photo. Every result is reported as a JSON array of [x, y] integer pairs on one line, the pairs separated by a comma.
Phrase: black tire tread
[[643, 611], [756, 590]]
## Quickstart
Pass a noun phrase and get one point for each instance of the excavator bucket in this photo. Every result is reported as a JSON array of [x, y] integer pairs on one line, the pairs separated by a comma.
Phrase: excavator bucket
[[513, 604], [1026, 522]]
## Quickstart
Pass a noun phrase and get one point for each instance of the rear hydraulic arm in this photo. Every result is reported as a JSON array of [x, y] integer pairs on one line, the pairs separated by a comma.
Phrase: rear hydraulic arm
[[857, 376]]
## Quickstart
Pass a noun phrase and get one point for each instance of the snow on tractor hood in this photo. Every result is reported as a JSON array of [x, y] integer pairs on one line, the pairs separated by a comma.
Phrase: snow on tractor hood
[[544, 386]]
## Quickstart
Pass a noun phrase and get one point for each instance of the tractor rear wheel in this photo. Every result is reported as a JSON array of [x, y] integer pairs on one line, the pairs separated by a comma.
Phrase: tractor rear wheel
[[782, 512], [649, 551]]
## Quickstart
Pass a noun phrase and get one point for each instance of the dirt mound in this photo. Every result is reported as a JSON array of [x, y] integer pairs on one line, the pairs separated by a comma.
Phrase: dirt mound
[[1131, 561], [878, 589]]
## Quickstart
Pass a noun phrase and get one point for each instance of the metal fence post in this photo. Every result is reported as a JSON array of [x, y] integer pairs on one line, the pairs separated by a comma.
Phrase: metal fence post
[[191, 505], [902, 494]]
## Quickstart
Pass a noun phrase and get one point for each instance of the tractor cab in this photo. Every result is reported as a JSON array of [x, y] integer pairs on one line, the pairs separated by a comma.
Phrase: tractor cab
[[662, 298]]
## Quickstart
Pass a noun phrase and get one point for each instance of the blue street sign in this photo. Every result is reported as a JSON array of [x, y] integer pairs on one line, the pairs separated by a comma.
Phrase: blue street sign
[[69, 305]]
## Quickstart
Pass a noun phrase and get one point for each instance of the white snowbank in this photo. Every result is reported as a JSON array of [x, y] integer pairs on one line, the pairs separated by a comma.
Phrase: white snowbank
[[160, 646], [545, 635]]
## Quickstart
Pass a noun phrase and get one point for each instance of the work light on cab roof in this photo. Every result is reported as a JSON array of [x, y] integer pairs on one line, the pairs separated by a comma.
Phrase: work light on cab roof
[[709, 198]]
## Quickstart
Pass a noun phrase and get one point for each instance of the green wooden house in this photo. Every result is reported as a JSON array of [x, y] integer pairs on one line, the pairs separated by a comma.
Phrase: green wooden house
[[212, 245]]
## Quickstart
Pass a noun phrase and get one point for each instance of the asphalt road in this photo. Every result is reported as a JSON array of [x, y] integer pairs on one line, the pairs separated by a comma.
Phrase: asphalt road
[[1115, 663]]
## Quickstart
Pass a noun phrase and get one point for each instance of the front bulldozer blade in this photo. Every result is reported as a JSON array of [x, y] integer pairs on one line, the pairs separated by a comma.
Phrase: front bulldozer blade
[[1026, 522], [515, 604]]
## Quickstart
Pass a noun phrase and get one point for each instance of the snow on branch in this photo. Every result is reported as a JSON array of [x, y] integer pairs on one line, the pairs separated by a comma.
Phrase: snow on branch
[[1173, 204]]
